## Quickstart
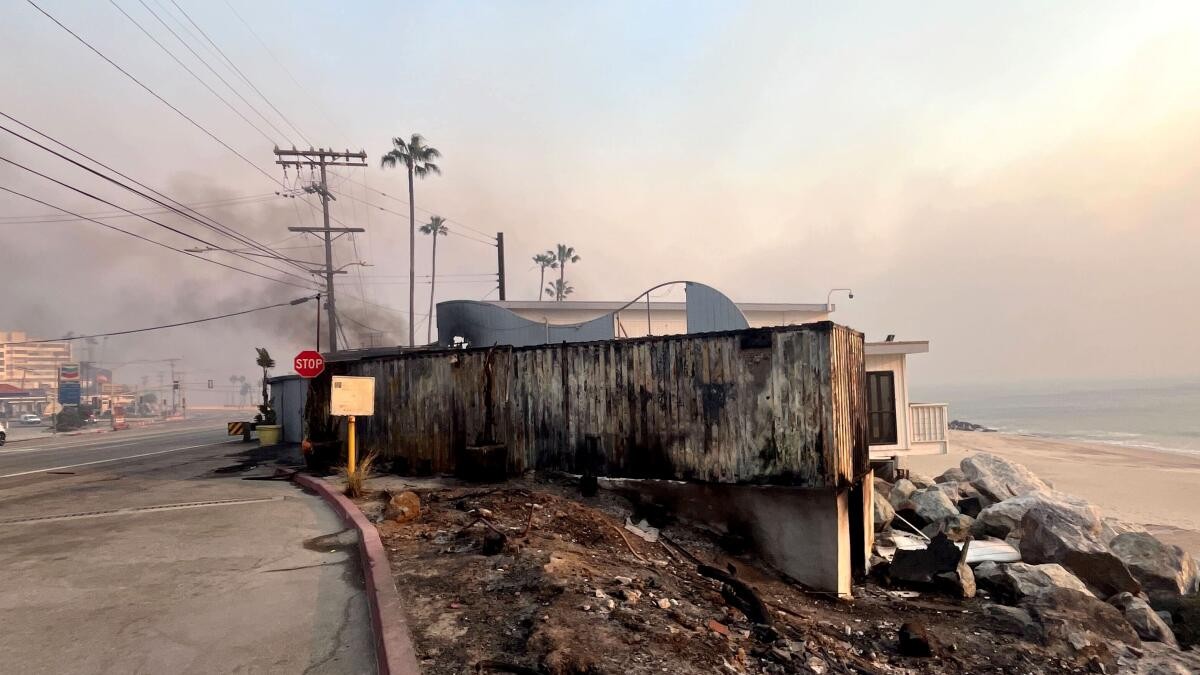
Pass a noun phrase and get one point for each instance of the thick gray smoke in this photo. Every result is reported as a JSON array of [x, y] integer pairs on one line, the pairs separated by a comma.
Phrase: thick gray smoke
[[82, 278]]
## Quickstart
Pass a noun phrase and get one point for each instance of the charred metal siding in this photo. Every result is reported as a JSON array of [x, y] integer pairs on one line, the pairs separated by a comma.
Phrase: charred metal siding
[[772, 405]]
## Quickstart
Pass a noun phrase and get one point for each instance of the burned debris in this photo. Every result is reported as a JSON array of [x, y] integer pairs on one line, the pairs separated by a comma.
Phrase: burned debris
[[578, 593]]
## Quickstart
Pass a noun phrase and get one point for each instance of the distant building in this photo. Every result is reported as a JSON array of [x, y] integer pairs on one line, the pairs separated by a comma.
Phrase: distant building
[[31, 366], [15, 401]]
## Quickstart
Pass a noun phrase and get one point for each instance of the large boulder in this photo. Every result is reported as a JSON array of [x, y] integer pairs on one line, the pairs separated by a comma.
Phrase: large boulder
[[883, 513], [922, 482], [1003, 519], [970, 502], [1012, 620], [951, 475], [1011, 583], [1111, 527], [998, 479], [1158, 566], [900, 492], [1081, 628], [957, 528], [1146, 623], [882, 487], [931, 505], [1185, 616], [950, 489], [1059, 533], [1159, 659]]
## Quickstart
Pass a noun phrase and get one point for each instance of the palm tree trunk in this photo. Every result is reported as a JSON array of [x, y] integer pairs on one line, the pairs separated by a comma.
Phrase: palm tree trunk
[[562, 273], [412, 259], [432, 285], [542, 283]]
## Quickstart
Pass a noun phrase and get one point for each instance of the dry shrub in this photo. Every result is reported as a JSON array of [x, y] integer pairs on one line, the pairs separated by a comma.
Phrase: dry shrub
[[356, 479]]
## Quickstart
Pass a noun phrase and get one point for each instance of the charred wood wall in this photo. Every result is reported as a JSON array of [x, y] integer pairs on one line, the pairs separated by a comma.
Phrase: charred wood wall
[[773, 405]]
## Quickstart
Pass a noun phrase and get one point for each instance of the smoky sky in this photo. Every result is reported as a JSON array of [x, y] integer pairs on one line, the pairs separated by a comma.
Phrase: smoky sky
[[1014, 183]]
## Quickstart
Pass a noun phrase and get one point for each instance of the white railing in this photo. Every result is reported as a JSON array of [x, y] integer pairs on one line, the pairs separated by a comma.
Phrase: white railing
[[927, 422]]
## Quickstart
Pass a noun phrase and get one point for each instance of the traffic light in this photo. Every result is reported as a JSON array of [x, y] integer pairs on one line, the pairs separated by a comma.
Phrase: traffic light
[[210, 384], [175, 385]]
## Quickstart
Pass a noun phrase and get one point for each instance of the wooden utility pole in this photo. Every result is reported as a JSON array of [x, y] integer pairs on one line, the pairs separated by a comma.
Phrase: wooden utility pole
[[500, 262], [323, 158], [174, 386]]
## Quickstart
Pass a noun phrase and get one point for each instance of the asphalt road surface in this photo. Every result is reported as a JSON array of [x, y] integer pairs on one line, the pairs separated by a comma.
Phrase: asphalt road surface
[[145, 551]]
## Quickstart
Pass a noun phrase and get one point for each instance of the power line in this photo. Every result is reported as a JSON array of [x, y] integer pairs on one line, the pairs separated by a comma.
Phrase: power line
[[492, 241], [149, 240], [485, 275], [240, 73], [176, 59], [385, 308], [297, 301], [361, 324], [39, 218], [155, 94], [215, 225], [206, 65], [146, 218], [284, 68], [423, 210]]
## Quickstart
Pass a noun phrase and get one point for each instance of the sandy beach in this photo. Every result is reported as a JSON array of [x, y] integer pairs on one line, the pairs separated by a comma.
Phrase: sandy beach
[[1160, 490]]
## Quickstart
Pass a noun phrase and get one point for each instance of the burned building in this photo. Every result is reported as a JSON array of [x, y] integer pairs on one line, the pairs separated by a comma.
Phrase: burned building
[[770, 422]]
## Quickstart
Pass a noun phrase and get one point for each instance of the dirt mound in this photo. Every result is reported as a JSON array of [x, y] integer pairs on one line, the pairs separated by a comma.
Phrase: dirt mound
[[572, 592]]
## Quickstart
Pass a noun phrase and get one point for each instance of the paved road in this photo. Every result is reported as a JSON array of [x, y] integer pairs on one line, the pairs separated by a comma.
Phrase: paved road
[[145, 551]]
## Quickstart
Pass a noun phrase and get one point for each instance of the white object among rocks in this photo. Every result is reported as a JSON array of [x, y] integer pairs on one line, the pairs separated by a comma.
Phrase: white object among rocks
[[642, 530]]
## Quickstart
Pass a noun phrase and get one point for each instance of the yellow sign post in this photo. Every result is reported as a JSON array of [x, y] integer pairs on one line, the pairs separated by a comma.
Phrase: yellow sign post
[[351, 396]]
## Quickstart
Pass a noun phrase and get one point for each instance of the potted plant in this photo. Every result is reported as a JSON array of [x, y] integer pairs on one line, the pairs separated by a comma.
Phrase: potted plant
[[265, 421]]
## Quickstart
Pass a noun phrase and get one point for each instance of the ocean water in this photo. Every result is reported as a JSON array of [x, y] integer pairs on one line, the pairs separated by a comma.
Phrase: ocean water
[[1159, 415]]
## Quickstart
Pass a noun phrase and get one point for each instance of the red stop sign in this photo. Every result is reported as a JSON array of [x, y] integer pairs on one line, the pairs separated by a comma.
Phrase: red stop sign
[[309, 363]]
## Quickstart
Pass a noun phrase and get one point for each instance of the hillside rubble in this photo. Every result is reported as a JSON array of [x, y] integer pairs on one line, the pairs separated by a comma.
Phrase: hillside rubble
[[530, 577]]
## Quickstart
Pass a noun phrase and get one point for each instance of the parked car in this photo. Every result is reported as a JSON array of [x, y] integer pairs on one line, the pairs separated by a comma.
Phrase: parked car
[[29, 419], [3, 434]]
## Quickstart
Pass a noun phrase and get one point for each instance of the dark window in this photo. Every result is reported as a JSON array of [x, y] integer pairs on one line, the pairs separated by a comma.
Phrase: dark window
[[881, 408]]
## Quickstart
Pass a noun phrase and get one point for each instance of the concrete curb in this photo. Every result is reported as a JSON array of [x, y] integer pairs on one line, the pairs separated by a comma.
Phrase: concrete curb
[[393, 645]]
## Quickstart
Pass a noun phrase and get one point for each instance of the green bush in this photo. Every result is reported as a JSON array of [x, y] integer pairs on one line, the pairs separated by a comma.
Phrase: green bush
[[68, 420]]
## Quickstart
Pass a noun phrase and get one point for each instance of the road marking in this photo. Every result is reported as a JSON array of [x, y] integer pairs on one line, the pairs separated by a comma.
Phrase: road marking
[[105, 442], [138, 509], [112, 459]]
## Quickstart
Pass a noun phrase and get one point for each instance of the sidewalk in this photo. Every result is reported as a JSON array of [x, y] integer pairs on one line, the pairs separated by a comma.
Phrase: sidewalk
[[179, 568]]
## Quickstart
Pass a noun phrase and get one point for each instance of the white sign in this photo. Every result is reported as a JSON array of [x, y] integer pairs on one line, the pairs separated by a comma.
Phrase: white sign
[[52, 408], [352, 396]]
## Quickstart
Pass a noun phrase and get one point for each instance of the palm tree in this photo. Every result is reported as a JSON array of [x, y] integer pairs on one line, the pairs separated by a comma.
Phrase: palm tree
[[562, 255], [559, 290], [544, 260], [418, 159], [265, 362], [435, 226]]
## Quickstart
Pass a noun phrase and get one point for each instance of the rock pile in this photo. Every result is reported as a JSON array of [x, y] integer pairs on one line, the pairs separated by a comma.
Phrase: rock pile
[[1088, 586]]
